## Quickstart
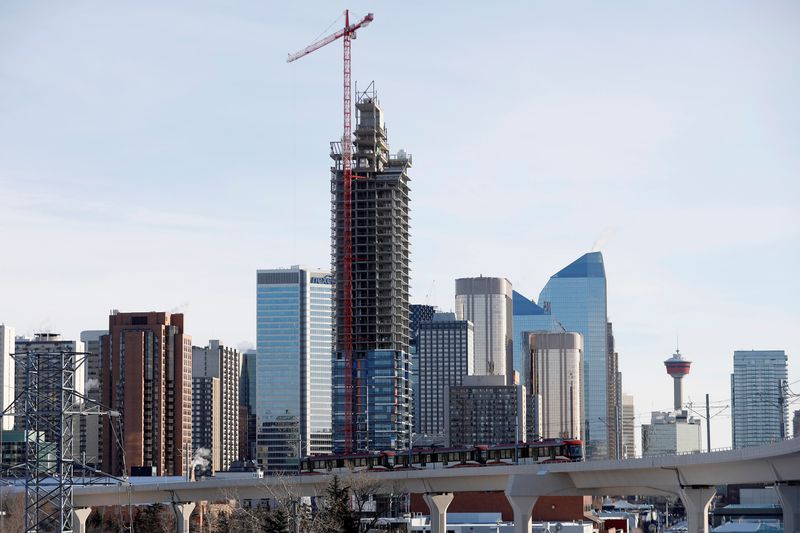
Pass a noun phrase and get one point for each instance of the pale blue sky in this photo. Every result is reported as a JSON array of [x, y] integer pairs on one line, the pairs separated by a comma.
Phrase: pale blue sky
[[153, 155]]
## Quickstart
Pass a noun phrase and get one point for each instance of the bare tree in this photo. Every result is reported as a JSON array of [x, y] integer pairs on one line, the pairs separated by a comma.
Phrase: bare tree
[[13, 503]]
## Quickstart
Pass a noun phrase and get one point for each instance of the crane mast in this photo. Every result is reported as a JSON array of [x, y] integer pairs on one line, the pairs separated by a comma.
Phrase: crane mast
[[351, 382]]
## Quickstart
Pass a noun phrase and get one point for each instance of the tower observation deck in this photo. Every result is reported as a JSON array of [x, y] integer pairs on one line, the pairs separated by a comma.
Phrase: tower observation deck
[[677, 367]]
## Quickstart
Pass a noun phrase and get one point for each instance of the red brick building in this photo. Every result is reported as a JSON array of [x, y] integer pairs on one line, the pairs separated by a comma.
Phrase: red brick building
[[146, 375], [546, 509]]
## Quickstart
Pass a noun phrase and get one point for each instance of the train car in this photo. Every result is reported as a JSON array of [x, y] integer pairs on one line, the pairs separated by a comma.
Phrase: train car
[[545, 451]]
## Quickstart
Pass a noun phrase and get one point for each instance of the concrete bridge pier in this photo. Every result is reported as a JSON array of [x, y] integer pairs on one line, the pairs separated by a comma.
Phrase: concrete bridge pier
[[696, 500], [182, 513], [79, 517], [523, 508], [789, 495], [438, 504]]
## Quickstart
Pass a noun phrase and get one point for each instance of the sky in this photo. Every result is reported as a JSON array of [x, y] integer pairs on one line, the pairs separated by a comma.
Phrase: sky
[[154, 154]]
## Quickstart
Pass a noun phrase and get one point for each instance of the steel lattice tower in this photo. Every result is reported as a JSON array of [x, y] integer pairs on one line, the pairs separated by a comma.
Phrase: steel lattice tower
[[49, 404]]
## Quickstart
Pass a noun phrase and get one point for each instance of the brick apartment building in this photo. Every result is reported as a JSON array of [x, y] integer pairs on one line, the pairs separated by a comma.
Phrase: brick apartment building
[[146, 376]]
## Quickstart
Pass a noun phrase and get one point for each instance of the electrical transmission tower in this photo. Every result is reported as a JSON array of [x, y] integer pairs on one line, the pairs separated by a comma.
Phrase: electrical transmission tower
[[49, 408]]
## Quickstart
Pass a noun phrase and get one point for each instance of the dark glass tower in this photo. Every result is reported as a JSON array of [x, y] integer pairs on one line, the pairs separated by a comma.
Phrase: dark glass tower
[[381, 414]]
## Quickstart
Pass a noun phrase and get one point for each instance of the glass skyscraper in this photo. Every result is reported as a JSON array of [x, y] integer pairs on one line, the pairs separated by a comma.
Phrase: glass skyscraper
[[576, 296], [758, 389], [529, 317], [293, 366]]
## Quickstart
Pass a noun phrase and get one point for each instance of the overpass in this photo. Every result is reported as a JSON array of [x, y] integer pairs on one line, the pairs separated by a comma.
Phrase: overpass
[[691, 477]]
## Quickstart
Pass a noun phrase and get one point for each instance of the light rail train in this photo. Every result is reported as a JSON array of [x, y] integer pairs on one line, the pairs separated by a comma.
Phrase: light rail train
[[545, 451]]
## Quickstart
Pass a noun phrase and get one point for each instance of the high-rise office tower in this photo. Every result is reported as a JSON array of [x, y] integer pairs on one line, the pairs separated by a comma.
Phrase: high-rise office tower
[[758, 389], [486, 302], [7, 371], [613, 418], [206, 429], [372, 389], [628, 425], [485, 410], [576, 296], [445, 356], [222, 362], [419, 314], [247, 406], [529, 317], [91, 423], [553, 373], [293, 365], [146, 362], [53, 343]]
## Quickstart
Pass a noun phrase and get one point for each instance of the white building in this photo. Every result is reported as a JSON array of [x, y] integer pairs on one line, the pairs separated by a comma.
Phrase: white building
[[91, 344], [6, 373], [670, 433], [223, 363], [487, 303], [628, 424], [553, 370]]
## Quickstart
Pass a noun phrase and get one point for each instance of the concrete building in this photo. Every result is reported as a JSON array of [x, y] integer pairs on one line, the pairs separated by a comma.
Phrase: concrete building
[[758, 390], [293, 365], [670, 433], [484, 410], [419, 314], [7, 372], [207, 441], [52, 343], [445, 356], [677, 367], [528, 317], [146, 360], [576, 296], [372, 396], [553, 372], [628, 427], [487, 303], [224, 363], [91, 345]]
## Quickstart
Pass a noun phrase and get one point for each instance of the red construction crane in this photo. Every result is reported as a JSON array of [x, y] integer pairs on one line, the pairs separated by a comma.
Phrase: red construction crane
[[346, 33]]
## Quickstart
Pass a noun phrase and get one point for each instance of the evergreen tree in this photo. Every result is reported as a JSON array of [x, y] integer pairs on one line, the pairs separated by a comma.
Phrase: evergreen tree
[[150, 519], [276, 521], [337, 507]]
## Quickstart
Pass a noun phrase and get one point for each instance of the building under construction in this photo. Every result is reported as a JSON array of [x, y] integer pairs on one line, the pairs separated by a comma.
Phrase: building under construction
[[372, 396]]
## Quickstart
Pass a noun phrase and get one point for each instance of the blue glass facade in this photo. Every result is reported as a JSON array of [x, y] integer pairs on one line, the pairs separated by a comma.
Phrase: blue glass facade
[[576, 296], [293, 372], [382, 403], [529, 317]]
